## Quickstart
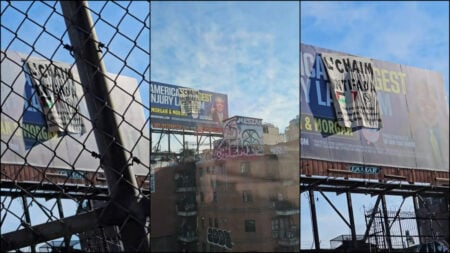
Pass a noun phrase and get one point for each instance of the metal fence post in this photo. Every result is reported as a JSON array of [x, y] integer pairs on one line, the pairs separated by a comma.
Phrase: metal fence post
[[125, 208]]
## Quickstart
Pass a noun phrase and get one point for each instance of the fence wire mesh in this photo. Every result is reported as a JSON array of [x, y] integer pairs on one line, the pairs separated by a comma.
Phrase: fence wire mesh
[[75, 139]]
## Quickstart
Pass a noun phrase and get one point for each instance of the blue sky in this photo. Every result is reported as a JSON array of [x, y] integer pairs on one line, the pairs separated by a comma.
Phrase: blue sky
[[410, 33], [247, 50]]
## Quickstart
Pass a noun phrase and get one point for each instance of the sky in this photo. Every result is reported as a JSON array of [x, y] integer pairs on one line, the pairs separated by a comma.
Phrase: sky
[[247, 50], [410, 33]]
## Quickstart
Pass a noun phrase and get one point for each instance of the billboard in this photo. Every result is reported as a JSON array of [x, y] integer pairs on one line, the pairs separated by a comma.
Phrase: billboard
[[242, 136], [413, 108], [176, 107], [31, 136]]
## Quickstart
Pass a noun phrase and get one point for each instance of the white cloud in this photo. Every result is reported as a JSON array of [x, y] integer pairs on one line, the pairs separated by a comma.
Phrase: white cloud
[[242, 62]]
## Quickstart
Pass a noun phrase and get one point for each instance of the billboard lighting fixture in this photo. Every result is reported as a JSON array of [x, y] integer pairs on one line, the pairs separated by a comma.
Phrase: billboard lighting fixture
[[394, 176], [442, 181], [340, 171], [346, 172]]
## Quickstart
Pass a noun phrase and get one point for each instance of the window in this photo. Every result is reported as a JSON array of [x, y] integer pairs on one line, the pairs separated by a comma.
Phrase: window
[[245, 168], [275, 224], [215, 196], [213, 182], [275, 227], [250, 226], [210, 221], [216, 222], [220, 170], [224, 221], [203, 221], [202, 197], [247, 196], [271, 172], [200, 172]]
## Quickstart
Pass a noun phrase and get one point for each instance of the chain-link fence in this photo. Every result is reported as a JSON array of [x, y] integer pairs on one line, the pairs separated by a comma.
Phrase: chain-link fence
[[75, 139]]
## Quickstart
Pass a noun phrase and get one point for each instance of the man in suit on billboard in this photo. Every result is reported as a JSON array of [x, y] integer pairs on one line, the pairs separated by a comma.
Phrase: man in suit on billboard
[[218, 112]]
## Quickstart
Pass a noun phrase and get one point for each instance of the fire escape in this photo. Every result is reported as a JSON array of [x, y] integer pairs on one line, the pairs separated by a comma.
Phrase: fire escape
[[284, 226], [186, 206]]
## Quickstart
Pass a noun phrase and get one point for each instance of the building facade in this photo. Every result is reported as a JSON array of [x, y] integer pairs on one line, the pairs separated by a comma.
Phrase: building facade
[[249, 203], [240, 196]]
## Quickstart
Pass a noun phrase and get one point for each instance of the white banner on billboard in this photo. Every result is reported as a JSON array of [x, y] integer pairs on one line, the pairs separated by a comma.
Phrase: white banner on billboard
[[352, 85], [189, 102], [57, 94], [24, 134]]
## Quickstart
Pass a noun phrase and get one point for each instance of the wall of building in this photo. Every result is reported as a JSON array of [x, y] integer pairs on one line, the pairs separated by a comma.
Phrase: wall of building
[[252, 190], [271, 134], [163, 225]]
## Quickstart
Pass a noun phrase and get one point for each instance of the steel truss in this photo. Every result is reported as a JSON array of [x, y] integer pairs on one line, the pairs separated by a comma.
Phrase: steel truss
[[378, 188]]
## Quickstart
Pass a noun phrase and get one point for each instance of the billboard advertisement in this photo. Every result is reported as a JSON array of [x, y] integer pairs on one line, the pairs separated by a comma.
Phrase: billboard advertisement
[[242, 136], [36, 131], [414, 116], [176, 107]]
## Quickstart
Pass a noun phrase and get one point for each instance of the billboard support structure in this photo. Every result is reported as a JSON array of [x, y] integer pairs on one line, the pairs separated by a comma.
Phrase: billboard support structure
[[350, 215], [380, 233], [314, 218], [416, 208], [386, 222], [61, 215], [372, 218], [27, 218], [184, 144]]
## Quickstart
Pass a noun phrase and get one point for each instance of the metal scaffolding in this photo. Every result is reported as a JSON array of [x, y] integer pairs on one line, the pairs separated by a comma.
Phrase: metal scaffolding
[[386, 230]]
